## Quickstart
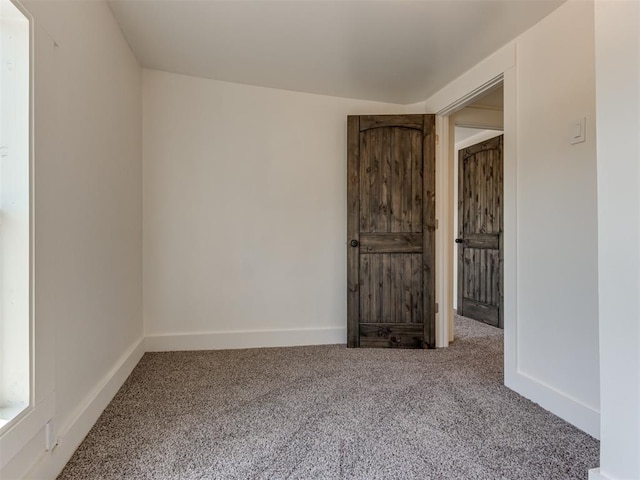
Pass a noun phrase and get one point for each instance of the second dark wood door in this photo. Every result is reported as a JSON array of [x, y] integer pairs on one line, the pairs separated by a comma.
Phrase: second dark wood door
[[480, 213], [391, 231]]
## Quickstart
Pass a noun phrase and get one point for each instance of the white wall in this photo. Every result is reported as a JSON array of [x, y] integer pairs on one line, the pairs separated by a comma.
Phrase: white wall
[[618, 122], [551, 276], [244, 213], [88, 217], [557, 282]]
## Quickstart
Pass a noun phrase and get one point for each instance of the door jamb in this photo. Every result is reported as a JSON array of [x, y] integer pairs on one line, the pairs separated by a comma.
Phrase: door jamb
[[444, 232]]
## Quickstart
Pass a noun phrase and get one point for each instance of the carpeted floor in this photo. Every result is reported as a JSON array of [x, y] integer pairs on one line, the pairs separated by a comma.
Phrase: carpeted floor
[[328, 412]]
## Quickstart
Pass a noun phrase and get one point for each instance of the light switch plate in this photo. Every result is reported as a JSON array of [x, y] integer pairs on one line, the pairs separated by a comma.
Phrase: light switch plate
[[579, 131]]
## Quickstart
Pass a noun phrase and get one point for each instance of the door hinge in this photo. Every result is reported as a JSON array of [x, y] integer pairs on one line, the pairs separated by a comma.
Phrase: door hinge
[[437, 224], [437, 308], [437, 139]]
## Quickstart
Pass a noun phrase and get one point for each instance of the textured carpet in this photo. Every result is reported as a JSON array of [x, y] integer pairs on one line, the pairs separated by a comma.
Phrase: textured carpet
[[328, 412]]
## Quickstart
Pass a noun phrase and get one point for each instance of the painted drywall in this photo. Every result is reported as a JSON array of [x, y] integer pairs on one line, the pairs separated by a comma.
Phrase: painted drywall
[[87, 210], [557, 239], [550, 231], [244, 213], [617, 41]]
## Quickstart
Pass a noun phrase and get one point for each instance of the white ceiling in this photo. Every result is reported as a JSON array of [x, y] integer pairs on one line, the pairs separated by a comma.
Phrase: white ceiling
[[386, 50]]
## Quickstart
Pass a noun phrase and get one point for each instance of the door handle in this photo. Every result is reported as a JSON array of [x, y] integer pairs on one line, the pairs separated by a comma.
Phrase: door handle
[[459, 240], [354, 243]]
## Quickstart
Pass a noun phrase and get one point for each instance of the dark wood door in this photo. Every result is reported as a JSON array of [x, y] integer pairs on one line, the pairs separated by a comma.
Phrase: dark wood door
[[391, 231], [480, 218]]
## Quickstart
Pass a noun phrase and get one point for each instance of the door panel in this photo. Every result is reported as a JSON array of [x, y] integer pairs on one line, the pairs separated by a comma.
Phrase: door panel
[[390, 180], [480, 257], [390, 288], [384, 335], [391, 229]]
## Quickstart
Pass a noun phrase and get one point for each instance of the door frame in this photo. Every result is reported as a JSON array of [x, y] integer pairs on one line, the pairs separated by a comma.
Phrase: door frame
[[500, 68]]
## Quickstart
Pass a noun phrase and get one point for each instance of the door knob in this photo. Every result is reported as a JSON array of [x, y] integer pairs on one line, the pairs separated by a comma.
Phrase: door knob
[[354, 243], [459, 240]]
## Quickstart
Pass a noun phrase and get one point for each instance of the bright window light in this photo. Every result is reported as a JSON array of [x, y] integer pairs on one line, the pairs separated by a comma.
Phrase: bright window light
[[15, 312]]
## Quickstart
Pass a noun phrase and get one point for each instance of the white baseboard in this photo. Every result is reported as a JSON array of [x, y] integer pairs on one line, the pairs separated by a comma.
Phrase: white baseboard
[[71, 435], [596, 474], [246, 339], [560, 404]]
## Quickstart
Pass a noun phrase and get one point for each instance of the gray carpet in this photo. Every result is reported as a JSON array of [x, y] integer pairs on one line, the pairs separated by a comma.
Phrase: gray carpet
[[328, 412]]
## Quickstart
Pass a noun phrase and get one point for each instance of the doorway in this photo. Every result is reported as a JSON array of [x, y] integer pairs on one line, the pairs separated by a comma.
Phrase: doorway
[[477, 268], [481, 113]]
